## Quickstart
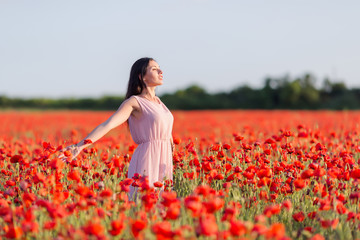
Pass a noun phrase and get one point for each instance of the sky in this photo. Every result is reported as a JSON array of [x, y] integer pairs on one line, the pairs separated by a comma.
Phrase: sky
[[85, 48]]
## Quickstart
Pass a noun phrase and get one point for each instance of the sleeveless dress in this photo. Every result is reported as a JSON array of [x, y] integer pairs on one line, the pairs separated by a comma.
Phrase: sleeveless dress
[[152, 132]]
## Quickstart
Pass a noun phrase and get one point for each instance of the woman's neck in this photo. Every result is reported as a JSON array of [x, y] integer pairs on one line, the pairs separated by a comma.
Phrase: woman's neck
[[149, 93]]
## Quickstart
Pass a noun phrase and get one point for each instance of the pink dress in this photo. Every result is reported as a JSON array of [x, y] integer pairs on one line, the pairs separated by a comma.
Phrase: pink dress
[[152, 132]]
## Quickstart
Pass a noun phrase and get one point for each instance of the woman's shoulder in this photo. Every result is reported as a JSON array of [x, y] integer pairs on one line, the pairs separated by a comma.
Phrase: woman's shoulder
[[133, 98], [132, 101]]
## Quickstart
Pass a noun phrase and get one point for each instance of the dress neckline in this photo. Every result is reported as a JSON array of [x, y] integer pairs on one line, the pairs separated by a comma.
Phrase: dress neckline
[[157, 103]]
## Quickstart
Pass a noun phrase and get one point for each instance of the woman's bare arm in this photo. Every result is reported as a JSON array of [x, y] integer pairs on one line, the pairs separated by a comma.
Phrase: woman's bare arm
[[119, 117]]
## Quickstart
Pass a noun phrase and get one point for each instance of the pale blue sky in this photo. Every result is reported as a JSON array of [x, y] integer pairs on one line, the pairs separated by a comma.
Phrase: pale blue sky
[[86, 48]]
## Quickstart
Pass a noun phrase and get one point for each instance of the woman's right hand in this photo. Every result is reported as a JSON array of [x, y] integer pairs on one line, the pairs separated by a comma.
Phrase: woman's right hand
[[69, 153]]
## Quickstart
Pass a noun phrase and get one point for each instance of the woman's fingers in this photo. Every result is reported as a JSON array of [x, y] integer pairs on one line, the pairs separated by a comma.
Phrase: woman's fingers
[[62, 157], [68, 153]]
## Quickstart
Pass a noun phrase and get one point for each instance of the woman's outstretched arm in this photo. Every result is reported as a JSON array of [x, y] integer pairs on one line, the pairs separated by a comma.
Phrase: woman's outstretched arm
[[119, 117]]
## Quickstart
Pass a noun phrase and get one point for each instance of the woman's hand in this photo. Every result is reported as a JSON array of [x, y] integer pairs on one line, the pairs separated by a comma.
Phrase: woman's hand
[[69, 153], [172, 145]]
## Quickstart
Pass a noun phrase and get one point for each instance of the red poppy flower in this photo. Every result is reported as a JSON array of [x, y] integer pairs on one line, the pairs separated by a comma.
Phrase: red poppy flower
[[194, 205], [106, 193], [276, 231], [176, 141], [259, 229], [204, 190], [238, 137], [137, 226], [319, 172], [355, 174], [29, 198], [13, 232], [94, 228], [162, 230], [237, 228], [341, 209], [329, 223], [299, 217], [226, 146], [312, 215], [74, 175], [117, 226], [307, 174], [299, 184], [49, 225], [287, 204], [82, 190], [158, 184], [168, 198], [263, 195], [229, 213], [264, 173], [309, 229], [272, 210], [207, 225], [16, 158], [56, 164], [173, 211], [214, 205], [317, 237]]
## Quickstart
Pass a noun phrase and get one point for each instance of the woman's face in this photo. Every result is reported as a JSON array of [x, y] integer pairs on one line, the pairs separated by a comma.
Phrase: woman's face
[[154, 75]]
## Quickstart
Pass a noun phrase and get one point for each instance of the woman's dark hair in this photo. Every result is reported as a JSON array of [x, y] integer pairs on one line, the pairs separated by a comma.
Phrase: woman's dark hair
[[136, 84]]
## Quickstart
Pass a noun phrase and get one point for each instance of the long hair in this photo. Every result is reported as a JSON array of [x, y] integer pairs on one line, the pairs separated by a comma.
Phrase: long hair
[[136, 81]]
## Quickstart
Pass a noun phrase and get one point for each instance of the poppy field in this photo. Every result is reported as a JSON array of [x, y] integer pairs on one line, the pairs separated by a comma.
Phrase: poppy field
[[237, 175]]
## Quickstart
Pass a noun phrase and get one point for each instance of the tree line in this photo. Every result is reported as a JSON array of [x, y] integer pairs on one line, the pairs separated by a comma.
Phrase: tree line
[[276, 93]]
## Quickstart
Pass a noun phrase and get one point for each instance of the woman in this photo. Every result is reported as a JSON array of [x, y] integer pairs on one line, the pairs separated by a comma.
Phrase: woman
[[150, 124]]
